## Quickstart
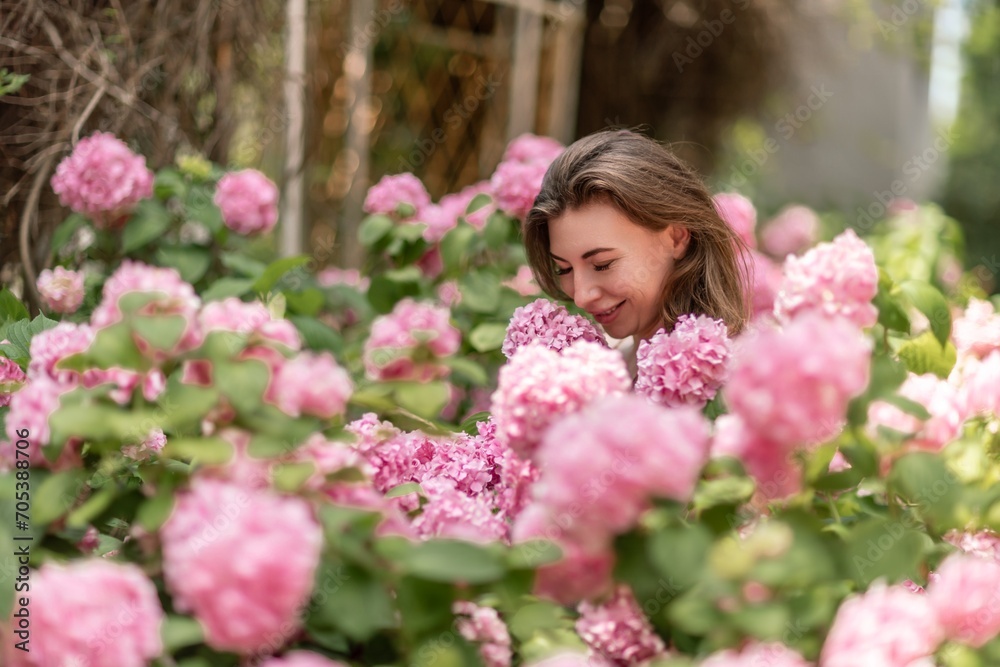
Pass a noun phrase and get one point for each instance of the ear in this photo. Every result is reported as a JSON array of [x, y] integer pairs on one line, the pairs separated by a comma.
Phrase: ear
[[680, 238]]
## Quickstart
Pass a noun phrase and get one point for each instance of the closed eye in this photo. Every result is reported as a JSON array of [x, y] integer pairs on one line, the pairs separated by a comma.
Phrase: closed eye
[[604, 267], [563, 272]]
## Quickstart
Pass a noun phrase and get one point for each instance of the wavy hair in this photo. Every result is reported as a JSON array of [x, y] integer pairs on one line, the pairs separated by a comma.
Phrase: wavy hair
[[653, 188]]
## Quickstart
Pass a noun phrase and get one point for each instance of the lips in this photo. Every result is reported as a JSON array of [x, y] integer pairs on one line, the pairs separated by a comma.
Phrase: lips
[[605, 316]]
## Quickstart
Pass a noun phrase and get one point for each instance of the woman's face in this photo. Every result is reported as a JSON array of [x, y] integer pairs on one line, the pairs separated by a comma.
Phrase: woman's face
[[613, 268]]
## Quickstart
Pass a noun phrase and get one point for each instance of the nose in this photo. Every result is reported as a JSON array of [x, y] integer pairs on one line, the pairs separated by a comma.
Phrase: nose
[[586, 292]]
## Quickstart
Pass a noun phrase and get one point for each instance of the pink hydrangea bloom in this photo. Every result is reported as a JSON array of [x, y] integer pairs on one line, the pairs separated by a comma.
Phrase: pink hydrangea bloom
[[886, 626], [440, 219], [618, 630], [569, 659], [515, 186], [53, 345], [772, 465], [740, 213], [248, 200], [312, 384], [301, 659], [966, 596], [483, 626], [174, 297], [247, 603], [390, 192], [942, 401], [978, 384], [793, 230], [370, 431], [459, 202], [103, 180], [757, 655], [30, 409], [591, 459], [533, 148], [551, 325], [11, 379], [451, 513], [333, 275], [449, 294], [61, 289], [977, 332], [538, 386], [794, 384], [523, 282], [765, 283], [153, 444], [328, 457], [836, 278], [114, 610], [410, 331], [984, 544], [686, 366]]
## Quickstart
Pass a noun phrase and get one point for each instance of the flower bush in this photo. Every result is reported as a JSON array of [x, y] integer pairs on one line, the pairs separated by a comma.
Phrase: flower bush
[[235, 459]]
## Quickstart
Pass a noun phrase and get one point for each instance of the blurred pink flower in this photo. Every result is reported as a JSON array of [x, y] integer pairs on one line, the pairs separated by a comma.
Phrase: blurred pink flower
[[523, 282], [400, 342], [885, 626], [794, 230], [114, 610], [103, 180], [686, 366], [589, 459], [53, 345], [772, 465], [836, 278], [533, 148], [313, 384], [539, 386], [370, 431], [61, 289], [757, 655], [248, 200], [30, 410], [794, 384], [569, 659], [153, 444], [333, 275], [765, 283], [449, 294], [984, 544], [740, 213], [301, 659], [459, 203], [386, 196], [977, 332], [549, 324], [941, 400], [966, 596], [515, 186], [252, 601], [11, 379], [618, 630], [483, 626], [451, 513]]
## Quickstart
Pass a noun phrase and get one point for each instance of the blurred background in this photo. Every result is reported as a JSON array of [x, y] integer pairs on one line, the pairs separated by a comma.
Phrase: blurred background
[[841, 105]]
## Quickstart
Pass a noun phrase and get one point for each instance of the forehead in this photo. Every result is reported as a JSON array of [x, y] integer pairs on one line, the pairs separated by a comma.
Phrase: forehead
[[596, 225]]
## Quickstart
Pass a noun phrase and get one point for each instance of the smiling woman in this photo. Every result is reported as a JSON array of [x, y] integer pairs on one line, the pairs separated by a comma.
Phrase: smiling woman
[[629, 233]]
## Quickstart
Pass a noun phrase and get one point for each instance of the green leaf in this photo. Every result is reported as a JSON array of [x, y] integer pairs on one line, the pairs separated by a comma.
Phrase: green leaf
[[410, 232], [179, 632], [891, 313], [349, 599], [533, 554], [454, 561], [154, 512], [424, 607], [56, 495], [201, 208], [227, 287], [929, 301], [497, 230], [21, 332], [385, 292], [468, 369], [373, 229], [65, 231], [91, 508], [479, 201], [292, 476], [924, 479], [318, 336], [480, 292], [242, 382], [924, 354], [10, 307], [243, 265], [162, 332], [403, 490], [210, 451], [307, 302], [535, 617], [149, 222], [885, 549], [425, 400], [680, 554], [455, 246], [908, 406], [191, 261], [169, 183], [276, 269], [488, 336]]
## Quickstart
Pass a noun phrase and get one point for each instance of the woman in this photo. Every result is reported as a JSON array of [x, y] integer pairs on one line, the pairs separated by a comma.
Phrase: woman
[[629, 233]]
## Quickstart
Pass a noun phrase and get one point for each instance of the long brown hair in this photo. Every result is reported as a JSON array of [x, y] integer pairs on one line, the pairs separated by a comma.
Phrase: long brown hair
[[654, 189]]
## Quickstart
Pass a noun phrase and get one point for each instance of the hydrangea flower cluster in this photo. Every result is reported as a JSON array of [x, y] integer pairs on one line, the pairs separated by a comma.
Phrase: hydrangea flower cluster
[[740, 213], [243, 605], [312, 384], [618, 631], [550, 324], [538, 386], [302, 659], [115, 613], [977, 332], [978, 383], [941, 400], [757, 655], [333, 275], [252, 319], [964, 596], [793, 230], [518, 178], [248, 201], [765, 283], [484, 626], [103, 180], [11, 379], [523, 282], [836, 278], [686, 366], [61, 290], [408, 343], [391, 192]]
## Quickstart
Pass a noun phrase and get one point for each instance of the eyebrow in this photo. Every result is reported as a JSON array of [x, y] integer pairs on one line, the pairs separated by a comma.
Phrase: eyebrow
[[586, 255]]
